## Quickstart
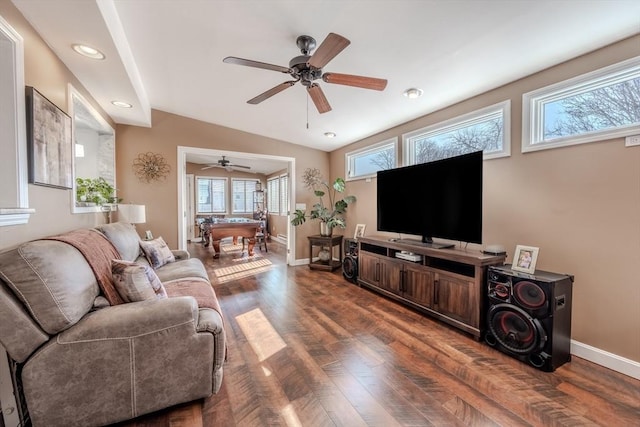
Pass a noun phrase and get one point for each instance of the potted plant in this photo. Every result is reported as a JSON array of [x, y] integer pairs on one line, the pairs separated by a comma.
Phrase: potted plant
[[95, 191], [329, 214]]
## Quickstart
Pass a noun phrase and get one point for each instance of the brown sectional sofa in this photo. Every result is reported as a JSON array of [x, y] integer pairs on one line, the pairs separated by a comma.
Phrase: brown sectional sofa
[[83, 362]]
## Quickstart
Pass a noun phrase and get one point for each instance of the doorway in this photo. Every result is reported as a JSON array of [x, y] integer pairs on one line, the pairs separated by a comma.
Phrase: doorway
[[281, 162]]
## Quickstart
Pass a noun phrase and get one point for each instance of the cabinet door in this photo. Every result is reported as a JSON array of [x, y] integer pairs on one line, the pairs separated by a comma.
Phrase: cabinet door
[[391, 275], [454, 298], [369, 268], [418, 285]]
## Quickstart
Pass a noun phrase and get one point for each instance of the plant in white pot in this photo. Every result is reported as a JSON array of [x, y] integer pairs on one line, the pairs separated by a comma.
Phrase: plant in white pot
[[329, 214]]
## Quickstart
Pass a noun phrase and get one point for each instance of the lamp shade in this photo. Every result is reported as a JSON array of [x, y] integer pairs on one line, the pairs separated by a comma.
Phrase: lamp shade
[[133, 214]]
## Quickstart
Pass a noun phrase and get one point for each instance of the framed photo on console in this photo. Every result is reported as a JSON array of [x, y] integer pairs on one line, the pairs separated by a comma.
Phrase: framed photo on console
[[359, 231], [525, 258]]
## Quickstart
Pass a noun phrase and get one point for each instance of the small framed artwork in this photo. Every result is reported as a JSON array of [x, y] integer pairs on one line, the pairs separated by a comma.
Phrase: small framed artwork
[[525, 258], [359, 231], [49, 142], [148, 235]]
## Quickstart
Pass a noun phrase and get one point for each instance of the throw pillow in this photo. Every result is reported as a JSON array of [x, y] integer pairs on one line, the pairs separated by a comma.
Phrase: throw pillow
[[136, 282], [157, 252]]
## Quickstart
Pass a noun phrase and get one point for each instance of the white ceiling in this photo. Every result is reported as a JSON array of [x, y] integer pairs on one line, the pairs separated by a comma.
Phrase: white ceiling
[[167, 55]]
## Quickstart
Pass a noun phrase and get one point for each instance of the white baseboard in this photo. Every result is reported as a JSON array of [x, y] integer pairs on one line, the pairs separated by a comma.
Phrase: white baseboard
[[279, 239], [604, 358]]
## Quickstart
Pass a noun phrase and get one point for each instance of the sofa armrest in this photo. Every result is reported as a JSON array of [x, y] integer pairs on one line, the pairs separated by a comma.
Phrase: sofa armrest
[[180, 254], [121, 362]]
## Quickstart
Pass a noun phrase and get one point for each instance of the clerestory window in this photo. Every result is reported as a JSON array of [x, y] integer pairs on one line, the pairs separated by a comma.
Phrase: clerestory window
[[600, 105], [366, 162], [487, 129]]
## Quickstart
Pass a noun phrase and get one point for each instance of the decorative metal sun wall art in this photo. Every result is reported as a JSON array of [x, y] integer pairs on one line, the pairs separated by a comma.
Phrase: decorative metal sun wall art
[[150, 167]]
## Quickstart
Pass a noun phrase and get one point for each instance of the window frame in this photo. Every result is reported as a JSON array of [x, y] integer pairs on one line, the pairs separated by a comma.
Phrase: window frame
[[462, 121], [14, 194], [225, 198], [349, 158], [250, 204], [533, 106]]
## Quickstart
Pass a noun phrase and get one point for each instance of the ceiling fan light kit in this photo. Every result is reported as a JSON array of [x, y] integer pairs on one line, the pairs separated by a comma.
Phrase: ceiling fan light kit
[[306, 68]]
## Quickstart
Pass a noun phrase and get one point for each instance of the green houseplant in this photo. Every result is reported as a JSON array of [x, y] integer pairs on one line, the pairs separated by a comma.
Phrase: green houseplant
[[95, 190], [329, 214]]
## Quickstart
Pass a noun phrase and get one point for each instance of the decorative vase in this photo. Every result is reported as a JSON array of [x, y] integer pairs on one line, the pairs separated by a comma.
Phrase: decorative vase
[[325, 230], [324, 255]]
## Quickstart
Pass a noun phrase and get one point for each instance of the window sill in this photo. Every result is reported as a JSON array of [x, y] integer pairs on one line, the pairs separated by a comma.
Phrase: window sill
[[15, 216]]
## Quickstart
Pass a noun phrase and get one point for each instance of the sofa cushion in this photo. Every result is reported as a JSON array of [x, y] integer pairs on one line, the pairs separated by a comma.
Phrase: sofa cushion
[[136, 282], [157, 252], [124, 237], [53, 280], [187, 268]]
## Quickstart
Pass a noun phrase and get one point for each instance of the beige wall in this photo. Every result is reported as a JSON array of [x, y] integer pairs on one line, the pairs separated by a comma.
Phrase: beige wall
[[45, 72], [169, 131], [580, 205]]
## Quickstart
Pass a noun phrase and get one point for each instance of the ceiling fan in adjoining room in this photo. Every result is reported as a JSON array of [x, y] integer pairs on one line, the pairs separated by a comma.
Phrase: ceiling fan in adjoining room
[[226, 164], [306, 68]]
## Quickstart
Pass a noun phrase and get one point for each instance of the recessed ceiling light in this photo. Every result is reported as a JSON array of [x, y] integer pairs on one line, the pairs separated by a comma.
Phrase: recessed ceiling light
[[330, 134], [88, 51], [413, 93], [121, 104]]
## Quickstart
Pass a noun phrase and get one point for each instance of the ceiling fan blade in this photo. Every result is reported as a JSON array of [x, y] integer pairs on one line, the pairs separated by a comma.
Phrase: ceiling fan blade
[[274, 90], [209, 167], [256, 64], [240, 166], [318, 98], [328, 49], [357, 81]]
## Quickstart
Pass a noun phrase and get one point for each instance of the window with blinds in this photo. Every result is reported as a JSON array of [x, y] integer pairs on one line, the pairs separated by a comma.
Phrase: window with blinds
[[242, 195], [212, 195], [278, 195]]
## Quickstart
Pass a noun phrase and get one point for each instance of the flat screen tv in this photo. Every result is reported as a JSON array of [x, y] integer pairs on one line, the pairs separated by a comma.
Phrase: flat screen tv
[[440, 199]]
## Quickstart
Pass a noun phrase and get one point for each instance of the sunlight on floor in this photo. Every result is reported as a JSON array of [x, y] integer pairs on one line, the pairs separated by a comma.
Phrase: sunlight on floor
[[290, 416], [235, 272], [262, 337], [231, 248]]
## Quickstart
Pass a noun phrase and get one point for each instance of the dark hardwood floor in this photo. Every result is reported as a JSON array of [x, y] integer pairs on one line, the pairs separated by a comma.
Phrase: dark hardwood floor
[[309, 348]]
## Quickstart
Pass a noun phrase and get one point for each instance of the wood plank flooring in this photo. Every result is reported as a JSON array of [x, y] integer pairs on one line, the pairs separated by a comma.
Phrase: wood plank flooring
[[307, 348]]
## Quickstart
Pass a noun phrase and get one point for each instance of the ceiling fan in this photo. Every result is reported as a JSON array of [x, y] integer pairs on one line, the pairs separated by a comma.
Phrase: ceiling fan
[[226, 164], [306, 68]]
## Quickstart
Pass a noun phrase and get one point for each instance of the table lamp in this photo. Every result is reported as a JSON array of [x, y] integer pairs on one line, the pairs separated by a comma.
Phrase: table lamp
[[133, 214]]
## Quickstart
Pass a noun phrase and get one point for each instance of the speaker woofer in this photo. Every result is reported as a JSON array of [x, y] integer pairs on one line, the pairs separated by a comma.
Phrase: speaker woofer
[[529, 295], [350, 268], [515, 330]]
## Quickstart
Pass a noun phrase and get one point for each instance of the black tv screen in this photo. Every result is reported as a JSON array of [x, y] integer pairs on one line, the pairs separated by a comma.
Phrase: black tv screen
[[440, 199]]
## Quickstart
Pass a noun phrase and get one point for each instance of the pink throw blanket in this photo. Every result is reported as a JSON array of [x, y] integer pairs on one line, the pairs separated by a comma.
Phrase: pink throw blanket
[[199, 289], [98, 251]]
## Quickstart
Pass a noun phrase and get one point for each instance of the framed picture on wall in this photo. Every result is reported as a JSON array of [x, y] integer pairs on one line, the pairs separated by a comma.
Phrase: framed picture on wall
[[525, 258], [49, 142]]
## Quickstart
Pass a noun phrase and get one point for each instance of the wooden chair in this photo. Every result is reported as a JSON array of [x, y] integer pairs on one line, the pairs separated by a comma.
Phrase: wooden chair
[[261, 239]]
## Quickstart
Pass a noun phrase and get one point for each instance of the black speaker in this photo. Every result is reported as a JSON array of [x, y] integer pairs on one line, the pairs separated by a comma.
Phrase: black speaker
[[350, 261], [529, 316]]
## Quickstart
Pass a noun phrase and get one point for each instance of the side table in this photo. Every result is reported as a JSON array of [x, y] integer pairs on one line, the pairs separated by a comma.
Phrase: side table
[[325, 242]]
